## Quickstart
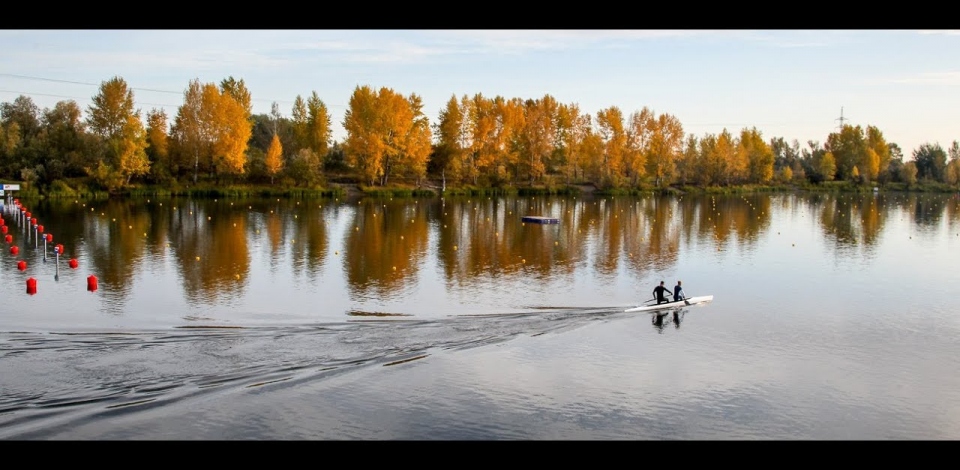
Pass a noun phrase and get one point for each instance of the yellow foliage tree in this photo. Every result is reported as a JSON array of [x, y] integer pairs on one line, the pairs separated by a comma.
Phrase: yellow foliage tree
[[113, 118], [665, 148], [364, 145], [158, 145], [614, 137], [638, 144], [274, 158], [318, 129], [759, 156]]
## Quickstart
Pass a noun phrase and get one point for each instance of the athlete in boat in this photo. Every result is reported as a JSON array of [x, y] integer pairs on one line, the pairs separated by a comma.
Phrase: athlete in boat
[[678, 292], [659, 292]]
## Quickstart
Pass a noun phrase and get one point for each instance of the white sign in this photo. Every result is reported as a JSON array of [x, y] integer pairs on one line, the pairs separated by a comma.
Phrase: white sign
[[11, 187], [1, 192]]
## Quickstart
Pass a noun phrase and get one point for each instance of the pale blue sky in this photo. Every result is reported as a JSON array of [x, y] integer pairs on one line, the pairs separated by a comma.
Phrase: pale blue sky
[[786, 83]]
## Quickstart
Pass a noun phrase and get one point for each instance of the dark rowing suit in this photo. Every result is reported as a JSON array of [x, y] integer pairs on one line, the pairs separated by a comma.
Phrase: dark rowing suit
[[678, 293], [660, 291]]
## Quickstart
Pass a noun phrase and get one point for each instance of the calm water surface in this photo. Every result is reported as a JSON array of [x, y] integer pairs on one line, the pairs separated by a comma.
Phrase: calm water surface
[[833, 318]]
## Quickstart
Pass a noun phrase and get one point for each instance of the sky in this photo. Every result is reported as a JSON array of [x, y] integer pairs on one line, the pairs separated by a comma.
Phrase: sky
[[796, 84]]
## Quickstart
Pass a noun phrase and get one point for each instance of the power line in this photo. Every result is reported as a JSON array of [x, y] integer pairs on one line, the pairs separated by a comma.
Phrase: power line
[[73, 82], [76, 98]]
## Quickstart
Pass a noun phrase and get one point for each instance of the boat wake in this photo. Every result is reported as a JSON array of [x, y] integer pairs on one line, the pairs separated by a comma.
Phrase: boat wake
[[48, 380]]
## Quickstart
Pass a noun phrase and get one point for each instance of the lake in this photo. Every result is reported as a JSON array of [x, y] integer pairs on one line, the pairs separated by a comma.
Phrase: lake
[[452, 318]]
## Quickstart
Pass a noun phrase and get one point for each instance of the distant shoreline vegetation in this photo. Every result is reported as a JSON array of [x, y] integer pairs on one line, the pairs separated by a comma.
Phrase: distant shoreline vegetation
[[215, 147], [62, 190]]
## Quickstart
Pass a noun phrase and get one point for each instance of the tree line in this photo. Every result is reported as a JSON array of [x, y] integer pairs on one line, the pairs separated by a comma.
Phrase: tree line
[[476, 141]]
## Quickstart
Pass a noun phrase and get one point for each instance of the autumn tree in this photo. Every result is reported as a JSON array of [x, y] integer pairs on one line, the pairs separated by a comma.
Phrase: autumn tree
[[953, 166], [300, 118], [386, 131], [892, 172], [274, 158], [502, 151], [238, 90], [877, 158], [639, 134], [364, 147], [572, 127], [484, 119], [686, 166], [592, 151], [612, 132], [416, 148], [232, 126], [191, 128], [708, 161], [727, 163], [112, 117], [664, 148], [848, 147], [537, 136], [213, 127], [908, 173], [828, 166], [759, 156], [318, 126], [450, 135], [158, 147]]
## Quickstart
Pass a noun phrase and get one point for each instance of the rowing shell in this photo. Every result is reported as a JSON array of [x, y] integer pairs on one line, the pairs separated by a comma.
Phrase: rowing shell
[[675, 304]]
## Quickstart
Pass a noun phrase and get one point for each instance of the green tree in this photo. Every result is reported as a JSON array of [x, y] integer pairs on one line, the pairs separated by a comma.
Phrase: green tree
[[66, 144], [931, 161]]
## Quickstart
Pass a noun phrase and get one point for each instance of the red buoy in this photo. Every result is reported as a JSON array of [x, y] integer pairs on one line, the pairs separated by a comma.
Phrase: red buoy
[[1, 221], [49, 238], [31, 286], [74, 263], [4, 229], [26, 214], [58, 248], [40, 228], [14, 250], [33, 221], [8, 238], [91, 283], [22, 265]]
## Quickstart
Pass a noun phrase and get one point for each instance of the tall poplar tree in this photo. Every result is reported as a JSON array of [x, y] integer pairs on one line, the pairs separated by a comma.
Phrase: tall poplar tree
[[112, 117]]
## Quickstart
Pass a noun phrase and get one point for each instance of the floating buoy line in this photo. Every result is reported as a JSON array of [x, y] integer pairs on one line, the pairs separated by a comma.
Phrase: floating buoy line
[[33, 231]]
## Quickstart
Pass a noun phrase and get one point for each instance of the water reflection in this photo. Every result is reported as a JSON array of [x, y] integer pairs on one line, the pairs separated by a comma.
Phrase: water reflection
[[387, 247]]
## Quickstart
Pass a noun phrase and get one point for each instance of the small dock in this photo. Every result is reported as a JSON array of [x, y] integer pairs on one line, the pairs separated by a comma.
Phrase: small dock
[[536, 219]]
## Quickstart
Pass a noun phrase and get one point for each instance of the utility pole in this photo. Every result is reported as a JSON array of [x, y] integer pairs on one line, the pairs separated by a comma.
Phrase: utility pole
[[841, 118]]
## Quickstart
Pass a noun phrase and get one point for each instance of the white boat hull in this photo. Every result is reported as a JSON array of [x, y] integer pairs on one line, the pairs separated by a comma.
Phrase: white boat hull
[[675, 304]]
